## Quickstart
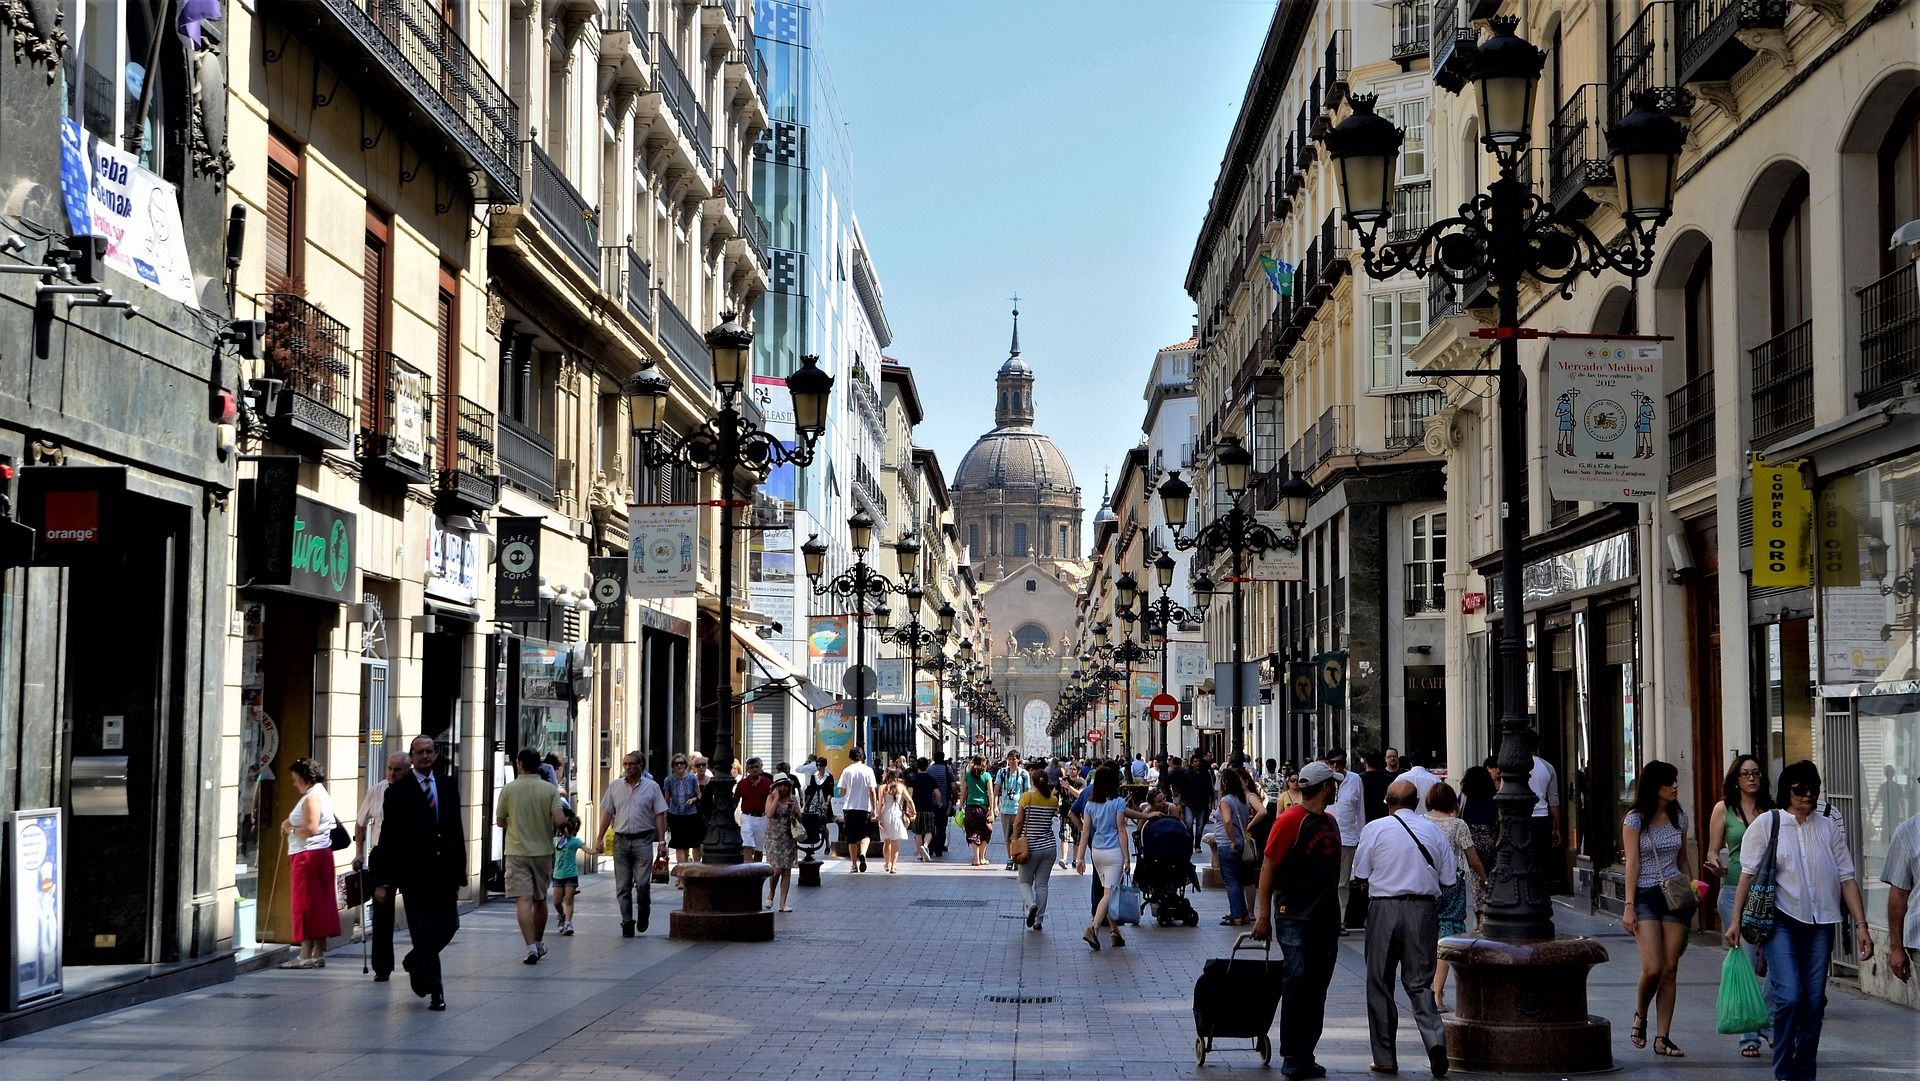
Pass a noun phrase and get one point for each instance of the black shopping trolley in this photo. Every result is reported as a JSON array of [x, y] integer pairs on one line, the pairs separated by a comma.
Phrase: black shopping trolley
[[1235, 998]]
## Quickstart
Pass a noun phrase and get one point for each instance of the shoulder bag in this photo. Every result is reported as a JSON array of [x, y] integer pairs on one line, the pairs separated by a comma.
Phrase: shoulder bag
[[1017, 849], [1676, 889], [338, 836], [1756, 917]]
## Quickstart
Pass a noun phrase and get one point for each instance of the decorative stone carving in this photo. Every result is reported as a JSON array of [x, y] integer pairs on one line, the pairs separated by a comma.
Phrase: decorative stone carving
[[1720, 95], [1768, 40], [207, 130], [496, 310], [25, 20]]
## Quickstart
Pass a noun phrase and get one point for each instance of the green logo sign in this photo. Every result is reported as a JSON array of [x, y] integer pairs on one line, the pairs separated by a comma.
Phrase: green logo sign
[[328, 558]]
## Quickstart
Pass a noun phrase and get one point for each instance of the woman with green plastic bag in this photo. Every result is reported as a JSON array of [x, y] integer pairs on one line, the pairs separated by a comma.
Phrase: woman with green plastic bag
[[1742, 1007], [1745, 799]]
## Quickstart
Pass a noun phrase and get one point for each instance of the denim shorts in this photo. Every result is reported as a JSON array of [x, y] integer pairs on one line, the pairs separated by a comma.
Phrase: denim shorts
[[1650, 904]]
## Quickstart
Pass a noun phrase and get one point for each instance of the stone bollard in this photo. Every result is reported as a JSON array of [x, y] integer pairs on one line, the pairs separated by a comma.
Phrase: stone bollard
[[722, 903]]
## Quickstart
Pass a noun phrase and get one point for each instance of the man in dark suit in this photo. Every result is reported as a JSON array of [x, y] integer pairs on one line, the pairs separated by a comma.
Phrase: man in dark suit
[[423, 854]]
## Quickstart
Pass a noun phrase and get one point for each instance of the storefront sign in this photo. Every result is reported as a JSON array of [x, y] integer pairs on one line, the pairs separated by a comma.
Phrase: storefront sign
[[73, 510], [295, 543], [608, 623], [108, 194], [1840, 532], [1472, 602], [1280, 563], [1607, 561], [516, 571], [1426, 683], [662, 541], [1782, 517], [36, 877], [1609, 434], [453, 564]]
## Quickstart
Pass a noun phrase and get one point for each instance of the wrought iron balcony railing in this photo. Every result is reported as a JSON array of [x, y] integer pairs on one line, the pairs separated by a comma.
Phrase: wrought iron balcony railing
[[1783, 384], [624, 275], [1412, 22], [749, 56], [471, 476], [1338, 67], [1646, 60], [306, 350], [1412, 211], [560, 207], [1407, 417], [685, 344], [1425, 589], [1690, 440], [682, 101], [1579, 154], [396, 420], [526, 460], [1456, 41], [754, 231], [1708, 34], [406, 49], [1889, 336]]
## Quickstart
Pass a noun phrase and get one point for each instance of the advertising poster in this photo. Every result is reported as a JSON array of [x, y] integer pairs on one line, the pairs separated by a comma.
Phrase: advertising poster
[[1606, 414], [608, 623], [516, 575], [926, 695], [662, 546], [36, 873], [827, 638], [776, 603], [1782, 518], [1145, 685], [1279, 563], [890, 683], [770, 556], [1188, 665], [108, 194], [833, 739]]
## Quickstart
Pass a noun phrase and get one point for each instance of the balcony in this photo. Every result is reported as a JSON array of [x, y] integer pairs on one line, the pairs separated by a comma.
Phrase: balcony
[[1412, 211], [1456, 41], [403, 59], [1295, 166], [754, 231], [1712, 35], [1304, 144], [1889, 336], [1407, 417], [721, 19], [1330, 435], [1690, 442], [678, 95], [1425, 591], [470, 484], [526, 460], [563, 211], [396, 426], [1578, 161], [1338, 68], [306, 350], [686, 345], [1441, 302], [626, 276], [1336, 253], [1412, 22], [625, 44], [1646, 61], [1783, 385], [747, 64]]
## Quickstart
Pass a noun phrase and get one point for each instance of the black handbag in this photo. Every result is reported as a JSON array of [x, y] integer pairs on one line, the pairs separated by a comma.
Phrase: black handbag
[[339, 837]]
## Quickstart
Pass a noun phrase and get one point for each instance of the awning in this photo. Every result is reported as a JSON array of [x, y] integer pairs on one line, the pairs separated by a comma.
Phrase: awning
[[776, 668]]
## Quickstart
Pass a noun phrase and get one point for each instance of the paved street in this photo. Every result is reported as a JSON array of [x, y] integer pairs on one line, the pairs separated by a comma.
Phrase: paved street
[[873, 976]]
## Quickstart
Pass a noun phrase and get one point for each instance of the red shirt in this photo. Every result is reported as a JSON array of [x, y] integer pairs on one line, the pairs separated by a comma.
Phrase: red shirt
[[1307, 846], [753, 792]]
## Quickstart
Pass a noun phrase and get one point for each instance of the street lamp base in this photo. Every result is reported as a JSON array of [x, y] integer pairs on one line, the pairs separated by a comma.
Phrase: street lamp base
[[1521, 1007], [721, 903], [809, 871]]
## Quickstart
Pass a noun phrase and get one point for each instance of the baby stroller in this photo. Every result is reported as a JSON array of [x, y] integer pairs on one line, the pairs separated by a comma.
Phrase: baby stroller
[[1165, 870]]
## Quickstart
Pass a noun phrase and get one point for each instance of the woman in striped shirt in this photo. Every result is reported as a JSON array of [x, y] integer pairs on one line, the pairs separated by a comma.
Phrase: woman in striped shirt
[[1039, 807]]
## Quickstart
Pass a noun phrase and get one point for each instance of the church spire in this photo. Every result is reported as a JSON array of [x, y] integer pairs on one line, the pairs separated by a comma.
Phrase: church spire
[[1014, 350], [1013, 399]]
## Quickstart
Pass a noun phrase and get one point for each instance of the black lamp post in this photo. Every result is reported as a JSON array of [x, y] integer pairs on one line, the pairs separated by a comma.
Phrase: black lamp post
[[856, 584], [1505, 235], [915, 636], [1161, 615], [727, 443], [1239, 534]]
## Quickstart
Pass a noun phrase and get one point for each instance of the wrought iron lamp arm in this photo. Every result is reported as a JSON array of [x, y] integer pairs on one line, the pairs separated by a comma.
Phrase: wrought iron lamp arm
[[728, 440], [1236, 530]]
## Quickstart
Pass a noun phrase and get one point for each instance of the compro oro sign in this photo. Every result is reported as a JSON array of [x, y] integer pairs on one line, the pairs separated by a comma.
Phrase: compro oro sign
[[1606, 420]]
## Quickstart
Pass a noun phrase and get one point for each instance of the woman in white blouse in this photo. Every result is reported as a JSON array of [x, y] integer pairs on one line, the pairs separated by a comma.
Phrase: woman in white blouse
[[1813, 877]]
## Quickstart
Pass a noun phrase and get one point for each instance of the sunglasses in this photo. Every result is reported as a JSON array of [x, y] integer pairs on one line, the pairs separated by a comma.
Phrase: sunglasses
[[1808, 790]]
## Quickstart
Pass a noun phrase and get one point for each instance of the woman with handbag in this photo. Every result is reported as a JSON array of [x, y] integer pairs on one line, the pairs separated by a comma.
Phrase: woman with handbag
[[1796, 877], [1233, 842], [1660, 898], [977, 818], [686, 826], [1746, 799], [1032, 844], [784, 836], [309, 831], [1106, 840]]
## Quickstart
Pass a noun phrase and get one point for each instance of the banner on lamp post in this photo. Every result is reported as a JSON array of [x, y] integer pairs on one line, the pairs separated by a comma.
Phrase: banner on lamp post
[[1280, 563], [1608, 424], [608, 623], [661, 543], [516, 571]]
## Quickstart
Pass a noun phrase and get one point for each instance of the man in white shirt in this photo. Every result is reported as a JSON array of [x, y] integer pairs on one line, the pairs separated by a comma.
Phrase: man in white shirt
[[1545, 782], [637, 810], [857, 784], [1421, 778], [1901, 873], [366, 834], [1405, 861], [1348, 815]]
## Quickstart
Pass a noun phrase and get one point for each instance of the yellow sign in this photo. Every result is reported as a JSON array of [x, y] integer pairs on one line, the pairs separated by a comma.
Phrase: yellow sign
[[1840, 532], [1782, 519]]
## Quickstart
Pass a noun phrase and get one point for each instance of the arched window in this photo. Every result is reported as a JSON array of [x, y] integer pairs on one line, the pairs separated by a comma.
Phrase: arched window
[[1031, 636], [1900, 179]]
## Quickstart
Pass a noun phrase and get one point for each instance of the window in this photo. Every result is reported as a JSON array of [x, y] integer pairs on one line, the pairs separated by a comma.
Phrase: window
[[1411, 117], [1063, 549], [1398, 321], [1031, 636], [1020, 539], [447, 366], [1033, 586], [282, 215], [376, 268], [1427, 564], [1900, 179], [115, 38], [973, 541], [1698, 331], [1787, 259]]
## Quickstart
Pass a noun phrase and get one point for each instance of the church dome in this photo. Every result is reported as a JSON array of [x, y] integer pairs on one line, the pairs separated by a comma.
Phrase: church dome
[[1014, 457]]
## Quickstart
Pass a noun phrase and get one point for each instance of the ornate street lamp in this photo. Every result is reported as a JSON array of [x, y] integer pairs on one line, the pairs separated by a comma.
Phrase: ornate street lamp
[[1504, 235], [854, 585], [1161, 615], [912, 634], [725, 444]]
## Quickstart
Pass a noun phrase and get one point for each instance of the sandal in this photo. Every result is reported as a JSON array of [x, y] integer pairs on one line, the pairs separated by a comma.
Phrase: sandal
[[297, 962], [1117, 940], [1665, 1047], [1091, 939], [1749, 1050], [1638, 1034], [786, 910]]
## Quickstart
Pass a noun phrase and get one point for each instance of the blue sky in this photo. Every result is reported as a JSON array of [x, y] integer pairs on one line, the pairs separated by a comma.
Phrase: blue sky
[[1061, 149]]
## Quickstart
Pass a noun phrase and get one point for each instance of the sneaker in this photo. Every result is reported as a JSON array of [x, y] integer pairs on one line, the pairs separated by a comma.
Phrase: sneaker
[[542, 947], [1033, 915], [567, 928], [1009, 865], [532, 957]]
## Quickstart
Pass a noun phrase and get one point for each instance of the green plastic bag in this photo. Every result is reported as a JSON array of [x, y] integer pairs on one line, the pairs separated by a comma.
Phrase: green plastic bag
[[1742, 1006]]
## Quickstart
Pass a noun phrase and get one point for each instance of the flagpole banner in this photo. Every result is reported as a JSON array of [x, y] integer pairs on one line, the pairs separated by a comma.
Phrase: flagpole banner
[[1782, 518], [1609, 422], [1279, 563], [890, 679], [661, 545], [1188, 664]]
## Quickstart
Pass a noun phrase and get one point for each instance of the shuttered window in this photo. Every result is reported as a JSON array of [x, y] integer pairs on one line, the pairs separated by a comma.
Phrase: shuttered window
[[447, 374], [282, 206], [373, 317]]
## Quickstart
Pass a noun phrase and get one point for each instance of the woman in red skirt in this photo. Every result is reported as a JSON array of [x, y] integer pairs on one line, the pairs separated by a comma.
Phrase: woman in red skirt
[[309, 831]]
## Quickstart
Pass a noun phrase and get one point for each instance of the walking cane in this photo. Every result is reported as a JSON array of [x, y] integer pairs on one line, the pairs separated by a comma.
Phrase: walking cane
[[366, 915]]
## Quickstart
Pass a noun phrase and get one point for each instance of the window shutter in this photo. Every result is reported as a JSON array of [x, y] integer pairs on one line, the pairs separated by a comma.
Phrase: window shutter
[[279, 230], [447, 374], [372, 297]]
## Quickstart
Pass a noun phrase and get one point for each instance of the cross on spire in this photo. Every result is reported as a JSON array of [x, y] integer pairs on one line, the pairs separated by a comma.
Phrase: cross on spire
[[1015, 349]]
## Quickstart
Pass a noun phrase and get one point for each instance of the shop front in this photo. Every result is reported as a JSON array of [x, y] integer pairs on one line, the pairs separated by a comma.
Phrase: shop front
[[1582, 613], [1866, 737]]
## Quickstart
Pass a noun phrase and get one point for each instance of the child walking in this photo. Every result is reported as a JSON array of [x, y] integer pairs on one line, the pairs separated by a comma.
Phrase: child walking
[[566, 872]]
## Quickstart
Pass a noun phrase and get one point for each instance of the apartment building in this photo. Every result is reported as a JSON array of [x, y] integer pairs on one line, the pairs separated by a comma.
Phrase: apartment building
[[1790, 340], [1170, 425], [1304, 364]]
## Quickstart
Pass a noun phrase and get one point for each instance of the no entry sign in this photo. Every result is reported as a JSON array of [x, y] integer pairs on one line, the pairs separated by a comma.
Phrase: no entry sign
[[1164, 707], [1096, 736]]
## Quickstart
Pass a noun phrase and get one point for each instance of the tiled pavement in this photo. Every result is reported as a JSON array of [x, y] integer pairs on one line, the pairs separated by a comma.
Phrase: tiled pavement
[[874, 976]]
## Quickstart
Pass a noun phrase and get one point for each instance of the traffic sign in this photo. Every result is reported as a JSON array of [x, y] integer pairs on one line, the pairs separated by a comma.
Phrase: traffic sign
[[1096, 736], [1164, 707]]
